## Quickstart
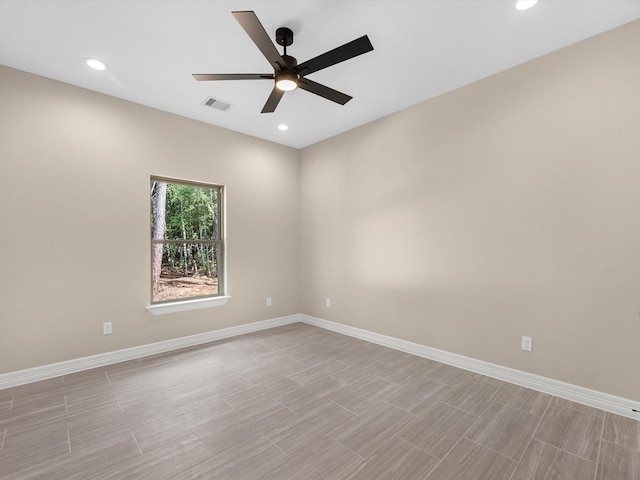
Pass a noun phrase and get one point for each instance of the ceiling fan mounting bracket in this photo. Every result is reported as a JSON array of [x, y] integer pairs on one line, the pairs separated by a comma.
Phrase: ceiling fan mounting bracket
[[284, 36]]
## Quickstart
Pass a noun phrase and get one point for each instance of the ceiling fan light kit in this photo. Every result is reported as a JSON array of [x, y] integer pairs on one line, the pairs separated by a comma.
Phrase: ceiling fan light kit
[[287, 81], [287, 74]]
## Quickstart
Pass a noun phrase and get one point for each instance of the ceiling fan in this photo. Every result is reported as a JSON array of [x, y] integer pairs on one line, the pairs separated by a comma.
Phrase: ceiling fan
[[287, 73]]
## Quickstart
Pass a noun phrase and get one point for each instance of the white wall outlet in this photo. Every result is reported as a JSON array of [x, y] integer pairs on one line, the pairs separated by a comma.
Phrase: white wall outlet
[[268, 301], [527, 344], [106, 328], [328, 303]]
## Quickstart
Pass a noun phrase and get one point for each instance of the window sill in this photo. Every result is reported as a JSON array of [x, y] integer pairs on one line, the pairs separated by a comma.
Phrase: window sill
[[183, 306]]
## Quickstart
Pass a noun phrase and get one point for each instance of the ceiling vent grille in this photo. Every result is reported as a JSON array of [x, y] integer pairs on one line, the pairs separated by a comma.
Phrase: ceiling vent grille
[[217, 104]]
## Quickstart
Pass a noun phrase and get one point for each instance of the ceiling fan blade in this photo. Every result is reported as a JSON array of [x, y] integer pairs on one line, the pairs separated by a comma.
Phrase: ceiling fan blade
[[323, 91], [232, 76], [272, 101], [249, 21], [345, 52]]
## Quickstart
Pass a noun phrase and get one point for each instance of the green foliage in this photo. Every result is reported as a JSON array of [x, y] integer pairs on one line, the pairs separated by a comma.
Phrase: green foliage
[[190, 212]]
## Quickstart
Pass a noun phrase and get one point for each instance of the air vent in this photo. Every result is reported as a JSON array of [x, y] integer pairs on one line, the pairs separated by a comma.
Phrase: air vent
[[217, 104]]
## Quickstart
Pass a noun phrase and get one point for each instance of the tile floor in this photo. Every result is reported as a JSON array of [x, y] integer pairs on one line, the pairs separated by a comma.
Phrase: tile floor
[[299, 402]]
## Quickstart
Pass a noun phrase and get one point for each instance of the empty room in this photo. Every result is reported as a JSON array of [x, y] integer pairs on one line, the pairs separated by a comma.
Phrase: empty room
[[317, 239]]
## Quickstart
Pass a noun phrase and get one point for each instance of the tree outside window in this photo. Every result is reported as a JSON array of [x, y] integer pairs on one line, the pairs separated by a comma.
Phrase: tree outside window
[[186, 240]]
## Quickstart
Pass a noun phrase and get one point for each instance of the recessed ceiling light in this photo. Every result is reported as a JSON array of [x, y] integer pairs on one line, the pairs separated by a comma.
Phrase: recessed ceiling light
[[95, 64], [525, 4], [282, 127]]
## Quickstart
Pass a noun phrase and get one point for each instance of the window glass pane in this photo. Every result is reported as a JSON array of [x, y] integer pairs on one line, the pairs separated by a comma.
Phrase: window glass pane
[[187, 271], [184, 212]]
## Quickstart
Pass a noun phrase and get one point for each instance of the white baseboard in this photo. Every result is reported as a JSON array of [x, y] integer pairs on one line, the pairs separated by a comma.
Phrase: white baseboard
[[575, 393], [585, 396], [21, 377]]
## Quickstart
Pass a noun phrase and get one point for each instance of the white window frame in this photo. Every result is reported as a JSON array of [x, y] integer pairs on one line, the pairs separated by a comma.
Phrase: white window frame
[[219, 299]]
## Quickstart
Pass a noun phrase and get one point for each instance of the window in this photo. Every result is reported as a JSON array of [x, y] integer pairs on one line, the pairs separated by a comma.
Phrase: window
[[187, 242]]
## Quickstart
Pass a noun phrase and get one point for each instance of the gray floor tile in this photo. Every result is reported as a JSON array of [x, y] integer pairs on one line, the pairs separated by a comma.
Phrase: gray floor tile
[[447, 374], [197, 395], [618, 463], [305, 427], [523, 399], [171, 427], [357, 372], [622, 431], [363, 394], [470, 461], [275, 364], [504, 429], [310, 394], [404, 370], [324, 459], [27, 447], [571, 430], [472, 395], [366, 432], [438, 429], [237, 428], [577, 406], [395, 459], [163, 463], [262, 392], [542, 461], [247, 460], [27, 415], [316, 372], [418, 394]]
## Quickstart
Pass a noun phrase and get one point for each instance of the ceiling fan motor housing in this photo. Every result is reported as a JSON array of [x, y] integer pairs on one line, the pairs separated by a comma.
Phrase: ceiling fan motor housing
[[290, 61]]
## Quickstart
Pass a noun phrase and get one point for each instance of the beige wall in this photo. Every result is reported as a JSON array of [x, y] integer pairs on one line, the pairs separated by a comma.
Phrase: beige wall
[[74, 220], [506, 208]]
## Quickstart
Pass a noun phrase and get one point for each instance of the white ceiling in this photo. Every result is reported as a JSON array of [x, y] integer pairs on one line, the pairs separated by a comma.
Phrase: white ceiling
[[421, 49]]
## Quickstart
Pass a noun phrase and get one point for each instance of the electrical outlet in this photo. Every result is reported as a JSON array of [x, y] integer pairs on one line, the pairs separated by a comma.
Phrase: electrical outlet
[[268, 301], [328, 303], [106, 328], [527, 343]]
